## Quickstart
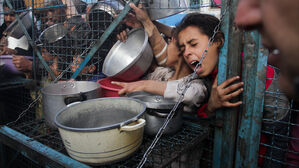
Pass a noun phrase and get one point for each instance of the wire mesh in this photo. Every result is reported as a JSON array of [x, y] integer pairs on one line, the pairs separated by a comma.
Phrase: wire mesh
[[64, 32], [179, 150], [277, 138]]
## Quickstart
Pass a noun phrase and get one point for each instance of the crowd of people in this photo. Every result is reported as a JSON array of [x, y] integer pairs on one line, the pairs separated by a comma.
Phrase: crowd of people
[[177, 57]]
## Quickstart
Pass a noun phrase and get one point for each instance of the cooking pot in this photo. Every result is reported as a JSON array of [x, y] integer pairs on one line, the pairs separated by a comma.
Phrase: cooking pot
[[101, 14], [55, 38], [158, 9], [102, 130], [15, 30], [56, 96], [129, 60], [157, 111]]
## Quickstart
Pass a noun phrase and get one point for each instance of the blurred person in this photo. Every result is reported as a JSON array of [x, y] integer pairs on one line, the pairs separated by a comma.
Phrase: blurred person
[[19, 59], [278, 23]]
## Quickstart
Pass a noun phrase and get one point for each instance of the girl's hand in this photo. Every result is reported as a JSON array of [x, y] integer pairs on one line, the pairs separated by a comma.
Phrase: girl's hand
[[141, 14], [222, 94], [130, 87], [122, 36]]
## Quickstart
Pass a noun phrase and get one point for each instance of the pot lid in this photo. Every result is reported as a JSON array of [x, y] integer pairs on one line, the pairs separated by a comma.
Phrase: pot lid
[[152, 101]]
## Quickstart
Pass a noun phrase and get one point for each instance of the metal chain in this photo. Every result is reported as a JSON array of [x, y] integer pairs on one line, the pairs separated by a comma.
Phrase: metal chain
[[192, 77]]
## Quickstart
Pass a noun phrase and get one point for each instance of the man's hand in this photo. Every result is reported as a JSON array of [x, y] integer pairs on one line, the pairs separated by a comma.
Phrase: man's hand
[[22, 63]]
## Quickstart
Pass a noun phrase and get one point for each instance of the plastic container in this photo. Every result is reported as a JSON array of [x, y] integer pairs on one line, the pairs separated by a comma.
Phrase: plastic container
[[8, 67], [109, 89]]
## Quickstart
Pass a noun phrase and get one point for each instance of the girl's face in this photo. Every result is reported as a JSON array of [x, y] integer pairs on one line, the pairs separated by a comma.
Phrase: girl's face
[[192, 44], [172, 53]]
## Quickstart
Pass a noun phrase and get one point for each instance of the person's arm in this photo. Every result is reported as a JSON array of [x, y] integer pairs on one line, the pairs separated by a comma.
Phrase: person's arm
[[194, 96], [157, 42], [151, 86], [165, 29], [221, 96]]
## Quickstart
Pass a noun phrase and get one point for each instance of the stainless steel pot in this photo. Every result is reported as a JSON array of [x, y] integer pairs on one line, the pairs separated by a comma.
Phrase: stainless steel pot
[[57, 96], [157, 111], [15, 30], [53, 33], [102, 130], [129, 60]]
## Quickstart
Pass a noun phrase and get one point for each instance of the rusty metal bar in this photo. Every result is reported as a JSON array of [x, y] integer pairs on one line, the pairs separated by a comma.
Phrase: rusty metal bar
[[229, 66], [254, 73]]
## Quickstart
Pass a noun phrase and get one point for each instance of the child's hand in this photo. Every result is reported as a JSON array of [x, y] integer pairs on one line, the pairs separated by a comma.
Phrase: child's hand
[[130, 87], [122, 36], [222, 94]]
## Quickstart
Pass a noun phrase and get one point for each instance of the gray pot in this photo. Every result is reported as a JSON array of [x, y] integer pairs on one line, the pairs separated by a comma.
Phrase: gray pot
[[157, 111], [57, 96], [155, 119], [129, 60], [102, 130]]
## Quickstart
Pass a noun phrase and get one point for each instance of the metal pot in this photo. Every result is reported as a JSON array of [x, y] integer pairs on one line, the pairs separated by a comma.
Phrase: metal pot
[[53, 33], [157, 111], [158, 9], [129, 60], [15, 30], [57, 96], [102, 130]]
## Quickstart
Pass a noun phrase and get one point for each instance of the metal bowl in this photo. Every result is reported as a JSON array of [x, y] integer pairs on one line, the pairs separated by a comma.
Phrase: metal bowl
[[158, 9], [131, 59], [53, 33], [15, 30]]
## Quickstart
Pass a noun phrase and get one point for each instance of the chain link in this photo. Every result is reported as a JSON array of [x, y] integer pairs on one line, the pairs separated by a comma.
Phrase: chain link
[[192, 77]]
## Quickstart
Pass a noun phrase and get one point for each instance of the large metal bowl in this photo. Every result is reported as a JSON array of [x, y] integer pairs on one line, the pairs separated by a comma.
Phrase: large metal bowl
[[158, 9], [131, 59]]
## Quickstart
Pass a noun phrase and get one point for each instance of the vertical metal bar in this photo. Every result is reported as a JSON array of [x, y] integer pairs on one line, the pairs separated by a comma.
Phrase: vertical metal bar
[[103, 38], [229, 66], [254, 73]]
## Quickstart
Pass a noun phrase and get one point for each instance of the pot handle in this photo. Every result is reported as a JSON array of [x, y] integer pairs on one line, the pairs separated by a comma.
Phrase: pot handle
[[69, 100], [161, 115], [140, 124]]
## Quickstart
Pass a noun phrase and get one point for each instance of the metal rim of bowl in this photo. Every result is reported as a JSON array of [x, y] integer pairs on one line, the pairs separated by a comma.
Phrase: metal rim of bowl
[[117, 44], [118, 125], [47, 29]]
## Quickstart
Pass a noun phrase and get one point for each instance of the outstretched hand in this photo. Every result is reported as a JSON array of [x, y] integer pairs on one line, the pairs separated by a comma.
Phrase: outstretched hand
[[122, 36], [223, 93], [22, 63], [129, 87]]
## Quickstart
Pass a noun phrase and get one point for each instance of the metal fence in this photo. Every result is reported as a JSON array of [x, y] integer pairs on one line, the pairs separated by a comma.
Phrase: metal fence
[[61, 34], [65, 33]]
